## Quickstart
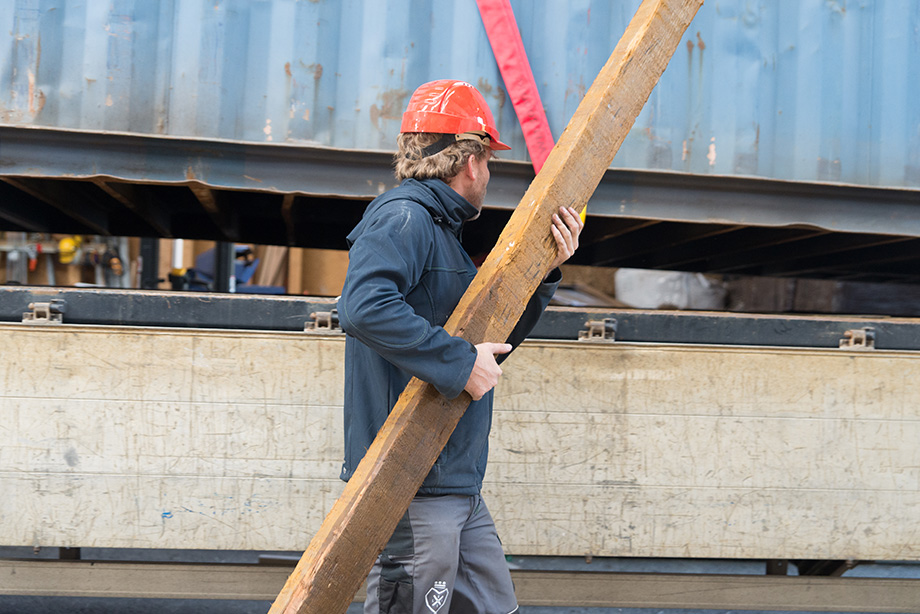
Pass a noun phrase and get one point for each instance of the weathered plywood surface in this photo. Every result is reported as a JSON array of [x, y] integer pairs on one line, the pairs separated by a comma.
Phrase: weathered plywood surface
[[709, 452], [126, 437], [167, 439]]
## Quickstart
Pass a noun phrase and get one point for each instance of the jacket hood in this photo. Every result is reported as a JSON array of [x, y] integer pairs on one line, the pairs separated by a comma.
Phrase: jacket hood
[[446, 206]]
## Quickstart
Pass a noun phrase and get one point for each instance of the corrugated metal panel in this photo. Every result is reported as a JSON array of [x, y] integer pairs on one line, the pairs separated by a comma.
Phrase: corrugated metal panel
[[810, 90]]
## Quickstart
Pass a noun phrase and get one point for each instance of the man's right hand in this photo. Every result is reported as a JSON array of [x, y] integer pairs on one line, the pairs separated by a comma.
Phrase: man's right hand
[[486, 371]]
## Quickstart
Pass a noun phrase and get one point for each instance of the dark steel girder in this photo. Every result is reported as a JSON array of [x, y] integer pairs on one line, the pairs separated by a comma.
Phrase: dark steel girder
[[876, 254], [20, 211], [653, 239], [71, 203], [140, 202], [212, 201], [327, 172], [282, 194], [108, 306], [830, 248], [741, 245]]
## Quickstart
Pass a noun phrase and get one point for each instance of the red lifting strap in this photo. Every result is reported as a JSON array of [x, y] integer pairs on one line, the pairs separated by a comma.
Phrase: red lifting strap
[[508, 48]]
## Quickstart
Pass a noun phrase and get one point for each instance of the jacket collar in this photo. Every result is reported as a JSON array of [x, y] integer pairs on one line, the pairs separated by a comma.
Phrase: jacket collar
[[447, 207]]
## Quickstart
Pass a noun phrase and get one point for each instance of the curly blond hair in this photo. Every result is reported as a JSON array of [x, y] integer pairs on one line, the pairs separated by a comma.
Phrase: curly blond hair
[[409, 160]]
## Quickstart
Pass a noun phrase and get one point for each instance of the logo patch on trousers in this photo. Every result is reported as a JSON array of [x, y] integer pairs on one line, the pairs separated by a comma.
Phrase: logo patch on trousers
[[436, 596]]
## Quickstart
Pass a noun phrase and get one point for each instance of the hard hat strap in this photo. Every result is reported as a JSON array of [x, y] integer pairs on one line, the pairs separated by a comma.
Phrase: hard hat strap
[[447, 140], [438, 146]]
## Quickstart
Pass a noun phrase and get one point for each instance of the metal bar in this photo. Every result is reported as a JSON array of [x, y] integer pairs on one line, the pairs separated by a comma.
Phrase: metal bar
[[140, 202], [729, 329], [150, 260], [282, 168], [212, 201], [593, 233], [858, 258], [756, 202], [829, 249], [739, 244], [131, 158], [236, 186], [287, 210], [165, 308], [24, 211], [115, 307], [223, 267], [77, 206], [655, 239], [534, 588]]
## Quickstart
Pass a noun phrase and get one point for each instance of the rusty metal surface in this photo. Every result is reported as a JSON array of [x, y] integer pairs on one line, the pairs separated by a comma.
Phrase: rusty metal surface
[[781, 141], [809, 90], [54, 180]]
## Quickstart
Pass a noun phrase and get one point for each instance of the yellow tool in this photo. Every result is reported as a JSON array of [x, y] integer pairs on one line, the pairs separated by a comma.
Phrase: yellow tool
[[68, 248]]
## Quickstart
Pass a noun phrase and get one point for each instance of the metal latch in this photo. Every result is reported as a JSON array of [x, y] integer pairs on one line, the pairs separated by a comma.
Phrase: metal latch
[[323, 322], [51, 312], [599, 330], [859, 339]]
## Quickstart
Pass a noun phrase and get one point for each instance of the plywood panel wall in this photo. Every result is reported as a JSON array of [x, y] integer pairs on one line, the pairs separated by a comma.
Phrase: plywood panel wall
[[143, 438]]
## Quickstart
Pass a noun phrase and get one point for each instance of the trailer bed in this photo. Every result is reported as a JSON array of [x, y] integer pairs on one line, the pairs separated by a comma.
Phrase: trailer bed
[[166, 437]]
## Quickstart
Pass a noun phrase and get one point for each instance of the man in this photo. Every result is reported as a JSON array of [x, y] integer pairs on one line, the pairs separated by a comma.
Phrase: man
[[407, 271]]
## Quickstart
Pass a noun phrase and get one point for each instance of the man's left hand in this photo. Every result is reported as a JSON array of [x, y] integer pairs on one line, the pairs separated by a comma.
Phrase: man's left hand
[[566, 227]]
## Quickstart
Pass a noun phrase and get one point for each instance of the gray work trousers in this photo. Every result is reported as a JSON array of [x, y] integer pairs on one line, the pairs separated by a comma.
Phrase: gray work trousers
[[443, 558]]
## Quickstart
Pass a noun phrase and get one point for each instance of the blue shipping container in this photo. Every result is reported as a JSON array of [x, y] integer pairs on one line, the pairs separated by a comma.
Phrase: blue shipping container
[[802, 90]]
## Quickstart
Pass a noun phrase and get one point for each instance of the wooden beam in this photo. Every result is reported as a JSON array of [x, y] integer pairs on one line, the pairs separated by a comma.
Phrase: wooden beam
[[362, 520]]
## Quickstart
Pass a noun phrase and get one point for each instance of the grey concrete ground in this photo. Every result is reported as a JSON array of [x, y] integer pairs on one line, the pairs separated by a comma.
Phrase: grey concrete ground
[[57, 605]]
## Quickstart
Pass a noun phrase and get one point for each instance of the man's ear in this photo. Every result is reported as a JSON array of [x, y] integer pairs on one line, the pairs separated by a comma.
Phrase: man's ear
[[469, 168]]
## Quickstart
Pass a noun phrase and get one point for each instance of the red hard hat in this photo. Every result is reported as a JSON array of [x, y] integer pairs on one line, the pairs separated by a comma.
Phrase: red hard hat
[[450, 107]]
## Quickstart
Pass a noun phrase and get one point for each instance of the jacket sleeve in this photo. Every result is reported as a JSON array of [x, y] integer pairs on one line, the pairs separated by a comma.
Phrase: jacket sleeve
[[385, 263], [534, 309]]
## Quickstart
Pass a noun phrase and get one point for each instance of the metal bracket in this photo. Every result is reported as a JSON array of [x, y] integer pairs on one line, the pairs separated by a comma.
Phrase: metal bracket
[[45, 313], [859, 339], [599, 330], [323, 322]]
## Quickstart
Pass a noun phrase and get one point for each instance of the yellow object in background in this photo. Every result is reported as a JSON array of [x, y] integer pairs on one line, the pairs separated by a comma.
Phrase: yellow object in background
[[67, 249]]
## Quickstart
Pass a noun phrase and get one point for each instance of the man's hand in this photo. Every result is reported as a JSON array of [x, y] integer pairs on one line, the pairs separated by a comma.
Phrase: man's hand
[[566, 227], [486, 371]]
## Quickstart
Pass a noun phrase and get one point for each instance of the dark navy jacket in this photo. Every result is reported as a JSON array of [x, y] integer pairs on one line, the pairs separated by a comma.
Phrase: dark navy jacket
[[406, 273]]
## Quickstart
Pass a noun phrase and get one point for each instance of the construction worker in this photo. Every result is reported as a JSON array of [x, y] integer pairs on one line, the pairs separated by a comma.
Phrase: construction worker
[[407, 271]]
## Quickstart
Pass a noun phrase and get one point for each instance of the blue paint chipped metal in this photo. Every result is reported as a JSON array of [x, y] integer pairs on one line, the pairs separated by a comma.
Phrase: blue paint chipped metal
[[801, 90]]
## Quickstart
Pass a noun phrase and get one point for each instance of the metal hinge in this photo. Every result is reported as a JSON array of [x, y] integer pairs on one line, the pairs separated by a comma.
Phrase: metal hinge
[[599, 330], [323, 322], [51, 312], [859, 339]]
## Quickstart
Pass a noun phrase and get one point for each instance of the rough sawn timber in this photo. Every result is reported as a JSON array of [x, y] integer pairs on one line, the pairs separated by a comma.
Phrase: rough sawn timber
[[363, 518]]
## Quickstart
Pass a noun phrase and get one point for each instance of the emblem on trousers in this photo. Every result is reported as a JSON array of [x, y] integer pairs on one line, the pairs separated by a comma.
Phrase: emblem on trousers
[[436, 596]]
